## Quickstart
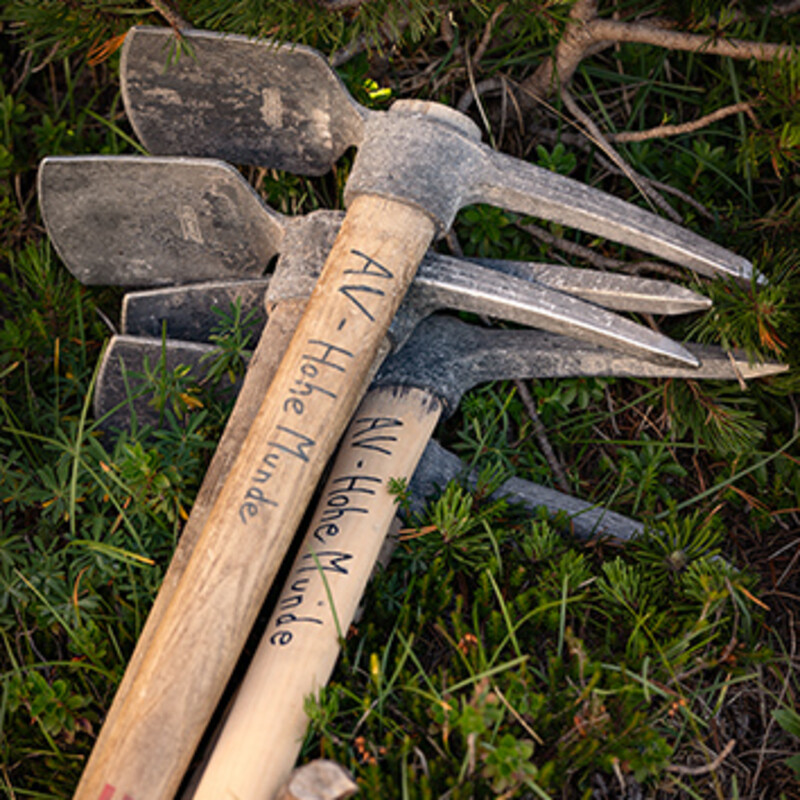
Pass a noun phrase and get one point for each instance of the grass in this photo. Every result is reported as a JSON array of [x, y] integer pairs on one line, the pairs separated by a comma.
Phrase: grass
[[541, 667], [499, 657]]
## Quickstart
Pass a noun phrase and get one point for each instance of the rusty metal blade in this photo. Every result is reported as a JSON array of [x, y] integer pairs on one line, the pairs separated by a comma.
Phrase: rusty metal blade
[[215, 101], [137, 221]]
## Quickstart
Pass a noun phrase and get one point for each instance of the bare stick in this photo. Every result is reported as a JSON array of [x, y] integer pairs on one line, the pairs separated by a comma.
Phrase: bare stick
[[487, 34], [541, 437], [599, 139], [706, 768], [644, 33], [176, 21], [584, 144], [595, 259], [661, 131]]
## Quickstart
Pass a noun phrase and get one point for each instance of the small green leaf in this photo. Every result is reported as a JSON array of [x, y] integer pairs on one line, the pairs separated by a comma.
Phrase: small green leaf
[[788, 719]]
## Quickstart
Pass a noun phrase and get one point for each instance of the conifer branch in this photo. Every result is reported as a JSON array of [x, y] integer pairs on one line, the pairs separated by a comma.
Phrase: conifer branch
[[587, 34]]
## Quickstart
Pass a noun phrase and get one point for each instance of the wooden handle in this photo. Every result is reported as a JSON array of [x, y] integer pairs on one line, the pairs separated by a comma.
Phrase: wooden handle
[[264, 730], [315, 390], [263, 364]]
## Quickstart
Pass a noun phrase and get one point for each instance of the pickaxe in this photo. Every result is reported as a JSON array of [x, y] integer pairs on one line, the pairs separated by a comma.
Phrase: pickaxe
[[298, 650], [121, 220], [79, 195], [301, 642], [348, 313], [109, 203]]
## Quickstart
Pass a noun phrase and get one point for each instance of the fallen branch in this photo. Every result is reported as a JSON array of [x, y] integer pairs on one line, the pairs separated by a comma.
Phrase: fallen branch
[[586, 34], [575, 140], [541, 436], [662, 131], [597, 137], [175, 20], [487, 34]]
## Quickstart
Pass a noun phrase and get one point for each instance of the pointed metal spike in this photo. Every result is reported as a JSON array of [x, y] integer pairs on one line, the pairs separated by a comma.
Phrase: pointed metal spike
[[514, 184], [449, 357], [455, 357], [471, 287], [725, 365], [607, 289]]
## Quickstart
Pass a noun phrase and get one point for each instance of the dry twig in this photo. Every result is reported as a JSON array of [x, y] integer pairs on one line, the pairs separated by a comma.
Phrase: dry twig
[[487, 34], [706, 768], [687, 127], [541, 436], [176, 21], [596, 136], [581, 142]]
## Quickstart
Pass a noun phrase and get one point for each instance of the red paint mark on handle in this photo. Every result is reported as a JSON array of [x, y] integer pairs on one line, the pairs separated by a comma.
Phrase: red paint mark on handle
[[108, 793]]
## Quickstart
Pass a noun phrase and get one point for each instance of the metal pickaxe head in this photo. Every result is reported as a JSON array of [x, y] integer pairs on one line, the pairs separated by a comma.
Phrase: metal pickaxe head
[[282, 106], [123, 220], [449, 357]]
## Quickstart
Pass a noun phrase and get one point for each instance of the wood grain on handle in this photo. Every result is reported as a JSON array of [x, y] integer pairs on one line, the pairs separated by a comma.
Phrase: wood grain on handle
[[262, 366], [315, 391], [261, 739]]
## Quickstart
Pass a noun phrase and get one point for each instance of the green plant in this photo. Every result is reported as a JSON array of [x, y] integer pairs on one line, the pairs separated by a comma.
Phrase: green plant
[[498, 655], [789, 720], [231, 337], [487, 229], [560, 160], [536, 677]]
